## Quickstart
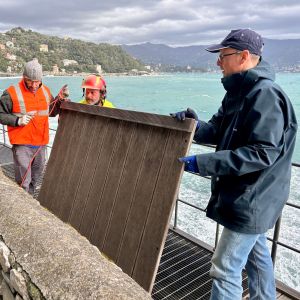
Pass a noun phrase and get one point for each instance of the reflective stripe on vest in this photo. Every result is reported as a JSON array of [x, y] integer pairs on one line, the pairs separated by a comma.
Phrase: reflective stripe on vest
[[22, 103], [20, 99], [46, 94]]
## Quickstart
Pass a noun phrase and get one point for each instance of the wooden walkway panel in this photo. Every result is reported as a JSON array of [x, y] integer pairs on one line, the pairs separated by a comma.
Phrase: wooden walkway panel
[[114, 175]]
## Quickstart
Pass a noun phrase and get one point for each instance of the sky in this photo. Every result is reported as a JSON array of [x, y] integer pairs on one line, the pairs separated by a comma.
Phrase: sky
[[170, 22]]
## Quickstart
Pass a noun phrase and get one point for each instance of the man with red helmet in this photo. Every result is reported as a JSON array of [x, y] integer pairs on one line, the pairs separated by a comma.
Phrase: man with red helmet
[[94, 89]]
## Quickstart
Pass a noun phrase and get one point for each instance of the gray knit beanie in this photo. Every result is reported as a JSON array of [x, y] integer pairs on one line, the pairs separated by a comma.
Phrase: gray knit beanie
[[33, 70]]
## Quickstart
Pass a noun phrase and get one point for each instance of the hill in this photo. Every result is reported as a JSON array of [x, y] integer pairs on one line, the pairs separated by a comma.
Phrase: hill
[[284, 55], [56, 54]]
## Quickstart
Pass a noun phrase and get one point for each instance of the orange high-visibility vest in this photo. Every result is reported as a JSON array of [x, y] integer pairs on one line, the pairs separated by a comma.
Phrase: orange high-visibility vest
[[36, 132]]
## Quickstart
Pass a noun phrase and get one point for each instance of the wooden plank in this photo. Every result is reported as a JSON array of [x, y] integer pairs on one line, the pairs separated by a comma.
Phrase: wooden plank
[[148, 176], [98, 181], [163, 199], [62, 169], [111, 189], [88, 175], [131, 116], [116, 181], [76, 166], [62, 142], [127, 190]]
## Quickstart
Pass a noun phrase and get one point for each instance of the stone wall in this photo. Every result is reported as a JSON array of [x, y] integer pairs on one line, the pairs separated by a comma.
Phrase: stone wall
[[43, 258]]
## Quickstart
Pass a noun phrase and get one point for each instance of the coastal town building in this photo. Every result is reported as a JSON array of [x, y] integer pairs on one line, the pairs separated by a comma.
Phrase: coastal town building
[[68, 62], [9, 44], [55, 69], [43, 48], [99, 69]]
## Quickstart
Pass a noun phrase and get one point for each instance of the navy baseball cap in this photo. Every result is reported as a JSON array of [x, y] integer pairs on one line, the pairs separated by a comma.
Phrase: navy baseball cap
[[240, 39]]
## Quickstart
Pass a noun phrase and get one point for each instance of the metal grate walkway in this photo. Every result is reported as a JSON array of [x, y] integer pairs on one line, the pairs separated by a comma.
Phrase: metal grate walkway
[[183, 271]]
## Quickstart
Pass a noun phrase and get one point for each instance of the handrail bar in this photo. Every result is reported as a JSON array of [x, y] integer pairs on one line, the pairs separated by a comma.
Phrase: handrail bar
[[204, 210], [191, 205], [285, 245], [287, 203], [214, 147]]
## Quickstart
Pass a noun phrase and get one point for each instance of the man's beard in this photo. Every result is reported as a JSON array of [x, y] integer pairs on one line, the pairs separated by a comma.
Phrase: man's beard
[[93, 102]]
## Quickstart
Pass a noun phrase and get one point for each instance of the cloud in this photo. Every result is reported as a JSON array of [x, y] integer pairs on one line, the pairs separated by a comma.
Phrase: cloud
[[172, 22]]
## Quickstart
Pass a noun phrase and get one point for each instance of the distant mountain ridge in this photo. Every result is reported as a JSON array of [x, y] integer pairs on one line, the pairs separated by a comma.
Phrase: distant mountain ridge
[[284, 55], [72, 55]]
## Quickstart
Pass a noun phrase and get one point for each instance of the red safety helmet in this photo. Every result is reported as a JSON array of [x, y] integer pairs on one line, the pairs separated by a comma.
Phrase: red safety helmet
[[94, 82]]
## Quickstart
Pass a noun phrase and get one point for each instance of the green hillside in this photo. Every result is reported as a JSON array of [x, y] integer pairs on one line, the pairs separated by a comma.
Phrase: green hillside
[[19, 45]]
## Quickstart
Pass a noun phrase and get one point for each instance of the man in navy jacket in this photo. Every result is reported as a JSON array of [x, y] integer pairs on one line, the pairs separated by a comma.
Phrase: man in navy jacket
[[254, 131]]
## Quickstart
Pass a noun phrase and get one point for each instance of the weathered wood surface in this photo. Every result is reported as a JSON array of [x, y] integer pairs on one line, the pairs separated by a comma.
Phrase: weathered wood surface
[[114, 175], [59, 263]]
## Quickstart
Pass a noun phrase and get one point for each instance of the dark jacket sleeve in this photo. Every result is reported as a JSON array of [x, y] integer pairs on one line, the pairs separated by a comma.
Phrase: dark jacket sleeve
[[6, 105], [55, 103], [54, 106], [264, 127], [208, 131]]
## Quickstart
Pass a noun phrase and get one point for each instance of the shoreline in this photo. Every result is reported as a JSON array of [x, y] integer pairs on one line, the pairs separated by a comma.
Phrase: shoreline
[[81, 74]]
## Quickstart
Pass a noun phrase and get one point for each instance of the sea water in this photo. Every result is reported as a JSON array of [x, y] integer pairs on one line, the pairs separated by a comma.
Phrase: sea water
[[203, 92]]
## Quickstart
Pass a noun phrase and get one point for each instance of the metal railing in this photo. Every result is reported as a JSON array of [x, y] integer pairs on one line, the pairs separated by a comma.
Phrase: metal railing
[[275, 240], [4, 131]]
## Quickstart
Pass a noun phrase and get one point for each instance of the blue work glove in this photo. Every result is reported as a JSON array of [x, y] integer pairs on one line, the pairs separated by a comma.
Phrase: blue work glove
[[189, 113], [190, 163]]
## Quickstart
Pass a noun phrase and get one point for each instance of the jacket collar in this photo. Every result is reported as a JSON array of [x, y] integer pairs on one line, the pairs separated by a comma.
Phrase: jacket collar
[[243, 81]]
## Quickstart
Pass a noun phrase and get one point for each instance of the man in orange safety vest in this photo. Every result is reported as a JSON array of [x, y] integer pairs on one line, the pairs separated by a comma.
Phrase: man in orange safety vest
[[25, 108]]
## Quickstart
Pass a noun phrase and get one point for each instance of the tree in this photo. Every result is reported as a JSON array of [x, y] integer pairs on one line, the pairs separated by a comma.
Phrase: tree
[[88, 55]]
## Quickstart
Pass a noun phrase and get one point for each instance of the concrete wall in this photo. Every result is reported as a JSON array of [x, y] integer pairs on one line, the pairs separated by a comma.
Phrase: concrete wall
[[43, 258]]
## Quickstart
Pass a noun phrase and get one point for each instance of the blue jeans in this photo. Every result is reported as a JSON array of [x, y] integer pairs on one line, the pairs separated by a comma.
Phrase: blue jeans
[[234, 252]]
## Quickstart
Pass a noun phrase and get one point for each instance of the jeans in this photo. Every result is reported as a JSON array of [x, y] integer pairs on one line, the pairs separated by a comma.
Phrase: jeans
[[234, 252]]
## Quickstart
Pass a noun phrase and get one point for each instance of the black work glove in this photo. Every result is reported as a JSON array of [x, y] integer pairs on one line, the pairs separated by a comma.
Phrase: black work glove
[[188, 113]]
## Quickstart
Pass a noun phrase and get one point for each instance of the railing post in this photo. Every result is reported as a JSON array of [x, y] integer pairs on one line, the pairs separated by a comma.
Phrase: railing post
[[3, 133], [176, 213], [217, 235], [47, 155], [275, 240]]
